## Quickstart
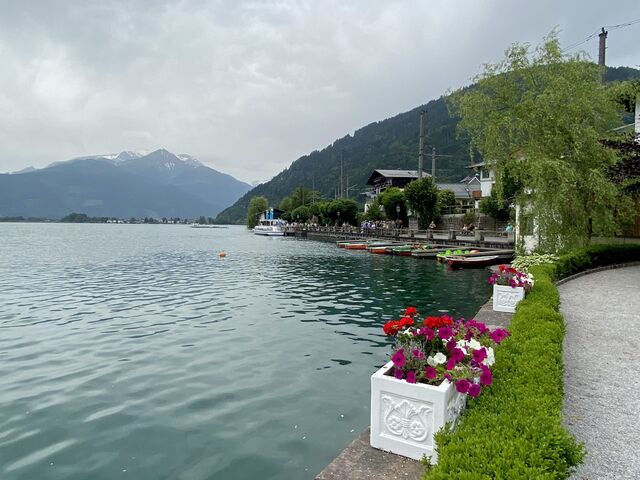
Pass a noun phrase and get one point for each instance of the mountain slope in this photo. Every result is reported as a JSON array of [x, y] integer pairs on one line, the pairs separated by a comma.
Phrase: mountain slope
[[216, 188], [94, 187], [159, 184], [390, 144]]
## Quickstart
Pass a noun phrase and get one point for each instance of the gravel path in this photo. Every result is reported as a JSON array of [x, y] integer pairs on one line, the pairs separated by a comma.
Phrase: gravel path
[[602, 371]]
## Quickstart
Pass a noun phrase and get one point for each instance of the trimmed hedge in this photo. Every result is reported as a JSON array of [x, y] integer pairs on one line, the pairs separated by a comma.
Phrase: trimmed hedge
[[514, 430]]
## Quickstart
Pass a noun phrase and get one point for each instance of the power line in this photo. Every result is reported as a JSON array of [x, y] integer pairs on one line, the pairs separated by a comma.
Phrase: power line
[[621, 25], [595, 34]]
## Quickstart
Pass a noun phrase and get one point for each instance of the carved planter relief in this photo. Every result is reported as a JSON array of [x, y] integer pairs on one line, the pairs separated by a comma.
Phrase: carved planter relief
[[404, 416], [506, 298]]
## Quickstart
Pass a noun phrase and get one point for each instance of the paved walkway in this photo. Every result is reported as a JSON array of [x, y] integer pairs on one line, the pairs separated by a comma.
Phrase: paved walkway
[[602, 371]]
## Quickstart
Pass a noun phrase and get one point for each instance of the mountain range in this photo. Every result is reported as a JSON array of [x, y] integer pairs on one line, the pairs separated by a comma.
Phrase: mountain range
[[128, 184], [387, 144]]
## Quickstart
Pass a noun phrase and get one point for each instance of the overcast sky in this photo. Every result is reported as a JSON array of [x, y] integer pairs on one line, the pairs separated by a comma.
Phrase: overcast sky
[[249, 86]]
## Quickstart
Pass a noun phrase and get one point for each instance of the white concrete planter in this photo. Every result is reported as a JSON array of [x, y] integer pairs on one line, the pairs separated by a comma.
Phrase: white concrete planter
[[506, 298], [404, 416]]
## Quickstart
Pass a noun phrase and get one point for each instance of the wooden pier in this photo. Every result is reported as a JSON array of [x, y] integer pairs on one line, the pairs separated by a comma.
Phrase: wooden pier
[[477, 238]]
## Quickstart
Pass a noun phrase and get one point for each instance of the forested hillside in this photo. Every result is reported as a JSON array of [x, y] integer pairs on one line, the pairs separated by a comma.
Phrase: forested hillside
[[387, 144]]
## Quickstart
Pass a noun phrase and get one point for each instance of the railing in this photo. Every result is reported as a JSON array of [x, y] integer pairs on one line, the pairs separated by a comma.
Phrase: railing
[[474, 236]]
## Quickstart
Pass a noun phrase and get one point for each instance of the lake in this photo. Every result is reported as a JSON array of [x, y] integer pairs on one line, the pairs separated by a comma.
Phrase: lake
[[134, 351]]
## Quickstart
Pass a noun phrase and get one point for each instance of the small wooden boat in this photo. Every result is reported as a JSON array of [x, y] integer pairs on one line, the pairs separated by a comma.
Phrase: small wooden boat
[[403, 250], [356, 246], [472, 262], [344, 243]]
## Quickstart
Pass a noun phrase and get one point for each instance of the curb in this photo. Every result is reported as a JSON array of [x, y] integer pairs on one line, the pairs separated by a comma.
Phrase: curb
[[595, 270]]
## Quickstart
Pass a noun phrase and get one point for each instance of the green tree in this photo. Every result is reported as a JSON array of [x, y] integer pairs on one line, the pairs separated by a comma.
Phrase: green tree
[[340, 211], [286, 204], [538, 116], [495, 207], [257, 205], [391, 199], [301, 214], [374, 212], [422, 195], [446, 201]]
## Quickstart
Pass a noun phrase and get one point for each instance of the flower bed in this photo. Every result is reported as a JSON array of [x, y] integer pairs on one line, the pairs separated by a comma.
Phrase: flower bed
[[442, 348], [435, 364]]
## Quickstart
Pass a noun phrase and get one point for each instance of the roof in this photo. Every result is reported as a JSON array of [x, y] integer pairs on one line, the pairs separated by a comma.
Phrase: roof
[[476, 165], [410, 174], [460, 190], [398, 173]]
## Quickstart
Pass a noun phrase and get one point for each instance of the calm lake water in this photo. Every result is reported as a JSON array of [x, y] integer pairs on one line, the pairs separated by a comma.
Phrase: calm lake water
[[133, 351]]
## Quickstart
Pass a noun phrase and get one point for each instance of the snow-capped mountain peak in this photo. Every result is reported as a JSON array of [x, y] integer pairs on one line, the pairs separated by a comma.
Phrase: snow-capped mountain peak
[[189, 160]]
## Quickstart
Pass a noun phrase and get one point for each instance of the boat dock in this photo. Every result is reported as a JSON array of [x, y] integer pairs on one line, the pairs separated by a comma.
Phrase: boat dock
[[451, 238]]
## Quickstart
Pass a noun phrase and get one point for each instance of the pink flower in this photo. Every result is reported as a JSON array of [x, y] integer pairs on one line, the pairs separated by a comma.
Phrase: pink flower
[[411, 377], [451, 363], [430, 372], [485, 377], [419, 354], [474, 390], [397, 372], [445, 332], [398, 358], [479, 355], [462, 386], [498, 335], [457, 355]]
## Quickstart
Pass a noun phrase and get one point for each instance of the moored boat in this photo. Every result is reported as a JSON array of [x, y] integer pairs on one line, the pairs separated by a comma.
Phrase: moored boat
[[270, 228], [472, 262], [356, 246]]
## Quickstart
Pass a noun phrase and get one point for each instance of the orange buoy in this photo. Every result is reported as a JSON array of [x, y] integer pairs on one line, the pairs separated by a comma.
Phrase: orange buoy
[[222, 254]]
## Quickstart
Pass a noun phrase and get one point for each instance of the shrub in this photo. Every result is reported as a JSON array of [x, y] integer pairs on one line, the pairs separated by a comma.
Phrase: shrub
[[525, 262]]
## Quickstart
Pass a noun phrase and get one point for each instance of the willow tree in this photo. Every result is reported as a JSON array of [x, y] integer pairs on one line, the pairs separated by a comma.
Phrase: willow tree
[[538, 117], [257, 205]]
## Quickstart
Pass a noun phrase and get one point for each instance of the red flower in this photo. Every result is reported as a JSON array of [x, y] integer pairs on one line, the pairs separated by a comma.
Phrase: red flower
[[406, 322], [392, 327], [437, 322], [410, 311]]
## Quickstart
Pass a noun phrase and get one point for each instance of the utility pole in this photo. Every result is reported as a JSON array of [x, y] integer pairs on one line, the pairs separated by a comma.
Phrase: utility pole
[[421, 146], [313, 189], [347, 186], [601, 53], [341, 174], [433, 164]]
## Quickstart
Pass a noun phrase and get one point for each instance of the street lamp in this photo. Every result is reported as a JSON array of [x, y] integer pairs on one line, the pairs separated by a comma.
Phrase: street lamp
[[397, 215], [338, 217]]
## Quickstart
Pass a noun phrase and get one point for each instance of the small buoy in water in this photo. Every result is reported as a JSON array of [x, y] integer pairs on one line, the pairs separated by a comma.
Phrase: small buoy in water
[[222, 254]]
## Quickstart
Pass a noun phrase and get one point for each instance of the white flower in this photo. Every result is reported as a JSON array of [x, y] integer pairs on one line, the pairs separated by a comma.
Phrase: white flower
[[437, 359], [462, 345], [474, 344], [490, 360]]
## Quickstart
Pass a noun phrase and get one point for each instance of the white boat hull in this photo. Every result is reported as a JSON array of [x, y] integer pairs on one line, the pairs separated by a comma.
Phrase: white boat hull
[[268, 232]]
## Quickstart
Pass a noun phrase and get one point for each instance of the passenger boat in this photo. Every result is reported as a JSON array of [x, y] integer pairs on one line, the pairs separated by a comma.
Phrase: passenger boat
[[270, 228], [473, 262]]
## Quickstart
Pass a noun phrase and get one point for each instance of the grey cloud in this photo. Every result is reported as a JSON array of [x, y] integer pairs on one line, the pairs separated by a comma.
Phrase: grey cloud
[[248, 86]]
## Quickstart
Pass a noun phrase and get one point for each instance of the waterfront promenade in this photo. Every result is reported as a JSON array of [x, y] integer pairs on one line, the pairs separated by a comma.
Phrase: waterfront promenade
[[602, 370]]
